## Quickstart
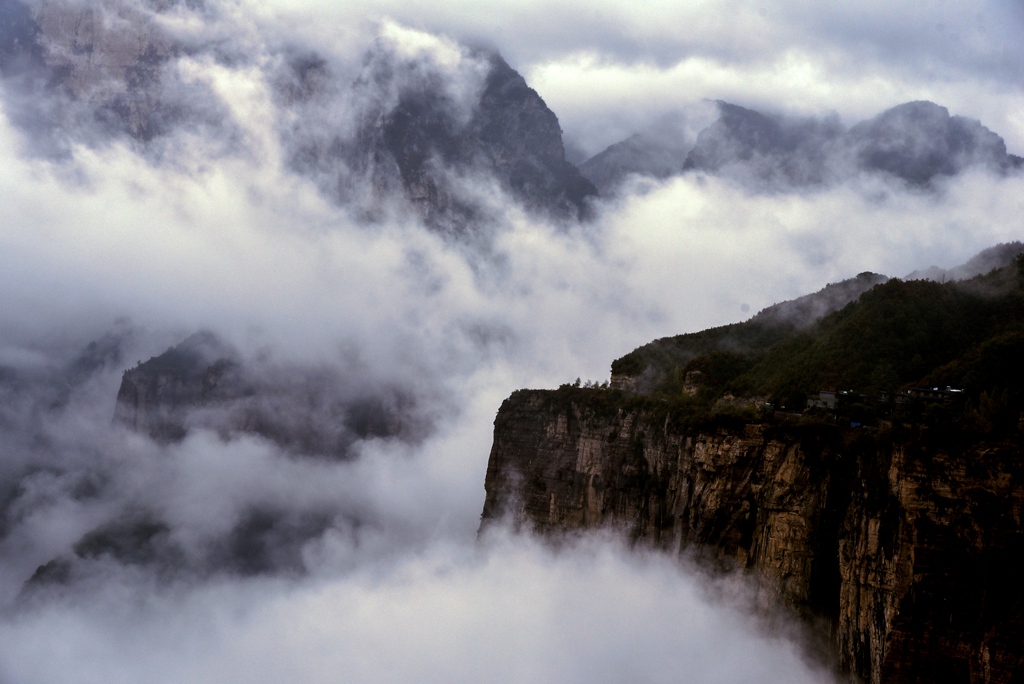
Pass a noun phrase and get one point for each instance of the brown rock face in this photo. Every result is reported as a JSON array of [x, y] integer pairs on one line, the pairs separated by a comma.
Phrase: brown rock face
[[905, 543]]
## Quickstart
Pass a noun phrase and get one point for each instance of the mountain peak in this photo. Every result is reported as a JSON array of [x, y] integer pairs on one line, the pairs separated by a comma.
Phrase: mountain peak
[[437, 126]]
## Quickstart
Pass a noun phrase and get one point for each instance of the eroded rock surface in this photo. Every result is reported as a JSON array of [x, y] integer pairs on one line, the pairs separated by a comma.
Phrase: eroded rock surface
[[903, 541]]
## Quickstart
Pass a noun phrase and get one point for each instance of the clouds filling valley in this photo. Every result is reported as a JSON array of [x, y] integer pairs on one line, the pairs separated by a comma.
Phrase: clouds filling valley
[[354, 243]]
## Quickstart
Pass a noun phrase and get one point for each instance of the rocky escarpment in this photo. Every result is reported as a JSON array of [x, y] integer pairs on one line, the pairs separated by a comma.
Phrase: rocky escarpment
[[891, 513], [902, 540], [156, 396]]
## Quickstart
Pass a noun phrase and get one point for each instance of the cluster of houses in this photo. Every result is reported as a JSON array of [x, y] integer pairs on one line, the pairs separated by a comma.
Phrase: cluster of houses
[[830, 399]]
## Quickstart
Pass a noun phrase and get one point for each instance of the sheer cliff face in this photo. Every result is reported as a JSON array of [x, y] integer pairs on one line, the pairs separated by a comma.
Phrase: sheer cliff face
[[902, 542]]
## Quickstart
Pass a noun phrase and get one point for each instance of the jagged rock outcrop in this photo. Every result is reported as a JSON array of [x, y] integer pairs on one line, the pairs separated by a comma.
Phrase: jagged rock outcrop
[[522, 139], [903, 541], [93, 72]]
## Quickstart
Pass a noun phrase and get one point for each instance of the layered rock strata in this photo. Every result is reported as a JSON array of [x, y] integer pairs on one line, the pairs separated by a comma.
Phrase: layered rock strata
[[903, 541]]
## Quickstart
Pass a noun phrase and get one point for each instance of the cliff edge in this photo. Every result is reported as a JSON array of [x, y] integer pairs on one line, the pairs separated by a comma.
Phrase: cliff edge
[[903, 540], [890, 512]]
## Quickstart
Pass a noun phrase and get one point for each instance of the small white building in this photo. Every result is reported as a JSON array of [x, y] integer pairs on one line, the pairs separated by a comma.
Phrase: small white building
[[826, 399]]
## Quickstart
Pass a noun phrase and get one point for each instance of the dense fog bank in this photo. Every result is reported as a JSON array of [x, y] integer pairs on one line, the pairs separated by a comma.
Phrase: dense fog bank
[[228, 555]]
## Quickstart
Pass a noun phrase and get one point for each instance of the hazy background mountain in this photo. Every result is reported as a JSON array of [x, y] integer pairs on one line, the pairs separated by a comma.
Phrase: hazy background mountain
[[984, 261], [916, 142]]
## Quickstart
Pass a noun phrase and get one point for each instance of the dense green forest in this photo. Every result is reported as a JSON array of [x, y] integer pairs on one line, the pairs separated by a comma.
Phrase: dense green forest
[[898, 335]]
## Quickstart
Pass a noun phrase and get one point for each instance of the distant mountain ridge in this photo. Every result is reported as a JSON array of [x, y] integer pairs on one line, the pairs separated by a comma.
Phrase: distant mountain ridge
[[638, 154], [981, 263], [424, 136], [94, 73], [915, 142]]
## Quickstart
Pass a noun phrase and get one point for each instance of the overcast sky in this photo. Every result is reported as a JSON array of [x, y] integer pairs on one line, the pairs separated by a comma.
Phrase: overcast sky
[[609, 66], [215, 232]]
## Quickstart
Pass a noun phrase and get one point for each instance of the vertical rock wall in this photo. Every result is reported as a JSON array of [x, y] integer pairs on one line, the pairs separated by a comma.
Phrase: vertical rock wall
[[901, 542]]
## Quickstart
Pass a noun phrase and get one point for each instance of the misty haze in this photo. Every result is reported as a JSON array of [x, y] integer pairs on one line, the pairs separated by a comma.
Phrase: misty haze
[[268, 272]]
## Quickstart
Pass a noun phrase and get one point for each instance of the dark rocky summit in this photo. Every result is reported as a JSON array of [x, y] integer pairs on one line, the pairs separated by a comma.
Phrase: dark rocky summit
[[892, 520], [521, 138], [919, 141], [770, 149]]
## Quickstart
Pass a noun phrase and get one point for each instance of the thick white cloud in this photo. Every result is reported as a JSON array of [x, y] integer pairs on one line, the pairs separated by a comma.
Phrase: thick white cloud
[[508, 612], [230, 240]]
